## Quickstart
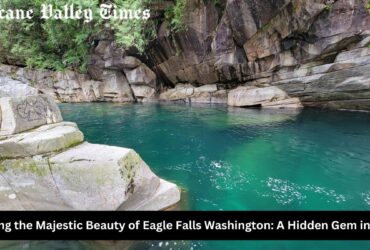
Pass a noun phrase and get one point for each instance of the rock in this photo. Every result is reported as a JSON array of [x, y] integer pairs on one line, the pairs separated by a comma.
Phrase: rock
[[115, 87], [85, 177], [166, 195], [49, 167], [45, 139], [106, 56], [109, 176], [130, 62], [290, 103], [201, 97], [352, 54], [15, 88], [91, 90], [187, 93], [231, 43], [32, 185], [8, 198], [23, 113], [141, 75], [142, 91], [206, 88], [251, 96], [219, 97], [254, 43], [181, 92]]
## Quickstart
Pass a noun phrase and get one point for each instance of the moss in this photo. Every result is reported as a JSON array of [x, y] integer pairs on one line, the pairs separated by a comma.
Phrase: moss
[[27, 166], [100, 179], [129, 165], [74, 144], [2, 168], [131, 161], [328, 7], [69, 146]]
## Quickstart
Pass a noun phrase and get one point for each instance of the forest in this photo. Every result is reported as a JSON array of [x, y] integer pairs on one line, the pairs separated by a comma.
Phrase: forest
[[57, 44]]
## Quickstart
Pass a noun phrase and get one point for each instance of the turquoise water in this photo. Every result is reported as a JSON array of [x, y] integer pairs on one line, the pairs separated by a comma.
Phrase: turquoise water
[[243, 159]]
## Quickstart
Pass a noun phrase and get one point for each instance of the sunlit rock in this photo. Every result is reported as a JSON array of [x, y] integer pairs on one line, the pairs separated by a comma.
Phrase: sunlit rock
[[27, 112], [265, 97], [45, 165]]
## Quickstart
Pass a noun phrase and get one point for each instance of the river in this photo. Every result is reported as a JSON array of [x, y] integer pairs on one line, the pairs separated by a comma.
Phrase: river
[[243, 159]]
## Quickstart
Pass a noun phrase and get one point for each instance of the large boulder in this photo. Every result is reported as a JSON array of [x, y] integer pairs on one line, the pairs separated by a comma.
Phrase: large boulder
[[265, 97], [142, 91], [14, 88], [115, 87], [23, 113], [110, 177], [45, 139], [188, 93], [141, 75], [45, 165], [130, 62]]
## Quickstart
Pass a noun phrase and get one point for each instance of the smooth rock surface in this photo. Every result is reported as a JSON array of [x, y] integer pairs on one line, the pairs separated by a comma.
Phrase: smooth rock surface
[[19, 114], [142, 91], [14, 88], [107, 175], [251, 96], [141, 75], [130, 62], [31, 183], [45, 139], [165, 195]]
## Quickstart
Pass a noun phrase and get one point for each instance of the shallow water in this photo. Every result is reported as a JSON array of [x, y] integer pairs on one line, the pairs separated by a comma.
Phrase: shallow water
[[243, 159]]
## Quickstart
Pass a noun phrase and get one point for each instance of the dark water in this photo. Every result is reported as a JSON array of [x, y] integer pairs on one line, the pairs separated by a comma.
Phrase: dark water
[[241, 159]]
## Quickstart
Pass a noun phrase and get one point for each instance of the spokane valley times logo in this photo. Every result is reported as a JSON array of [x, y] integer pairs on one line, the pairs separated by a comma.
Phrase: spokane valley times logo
[[73, 12]]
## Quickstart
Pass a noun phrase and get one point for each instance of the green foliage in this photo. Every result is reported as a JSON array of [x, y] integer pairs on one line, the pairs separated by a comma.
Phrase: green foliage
[[60, 44], [175, 15], [54, 44], [134, 32]]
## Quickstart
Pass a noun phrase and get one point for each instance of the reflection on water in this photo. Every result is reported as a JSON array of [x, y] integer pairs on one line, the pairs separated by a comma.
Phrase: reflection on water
[[243, 159]]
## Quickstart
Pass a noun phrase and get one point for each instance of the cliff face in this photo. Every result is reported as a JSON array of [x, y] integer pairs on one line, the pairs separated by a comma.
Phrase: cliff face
[[315, 51]]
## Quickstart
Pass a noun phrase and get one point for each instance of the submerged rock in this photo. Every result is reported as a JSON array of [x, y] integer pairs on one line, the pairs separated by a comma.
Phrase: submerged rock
[[49, 167]]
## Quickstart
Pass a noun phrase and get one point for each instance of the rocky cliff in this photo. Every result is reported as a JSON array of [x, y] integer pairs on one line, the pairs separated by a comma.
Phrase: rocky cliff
[[315, 51]]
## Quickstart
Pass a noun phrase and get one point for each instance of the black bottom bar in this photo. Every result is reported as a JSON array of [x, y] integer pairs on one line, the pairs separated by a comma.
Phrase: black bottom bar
[[328, 225]]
